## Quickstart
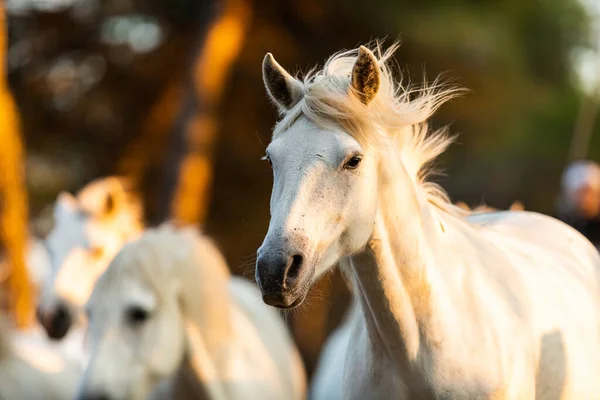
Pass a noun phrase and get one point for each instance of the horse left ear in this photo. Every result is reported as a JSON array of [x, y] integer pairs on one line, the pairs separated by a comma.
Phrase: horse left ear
[[365, 75], [110, 203], [284, 89]]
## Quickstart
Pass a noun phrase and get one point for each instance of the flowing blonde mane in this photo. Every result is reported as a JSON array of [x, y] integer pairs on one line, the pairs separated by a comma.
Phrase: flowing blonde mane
[[398, 111]]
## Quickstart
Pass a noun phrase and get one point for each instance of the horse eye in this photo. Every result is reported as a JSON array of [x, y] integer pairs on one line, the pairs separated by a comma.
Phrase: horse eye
[[136, 315], [353, 162]]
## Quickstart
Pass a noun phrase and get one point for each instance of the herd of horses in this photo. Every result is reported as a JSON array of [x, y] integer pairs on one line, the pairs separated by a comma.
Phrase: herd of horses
[[448, 303]]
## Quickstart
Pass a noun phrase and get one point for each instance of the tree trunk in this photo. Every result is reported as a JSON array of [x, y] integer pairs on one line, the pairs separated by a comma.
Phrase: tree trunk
[[189, 166], [145, 156], [13, 199]]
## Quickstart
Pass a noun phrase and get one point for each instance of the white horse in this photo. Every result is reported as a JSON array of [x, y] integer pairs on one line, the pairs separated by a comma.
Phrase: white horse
[[500, 305], [88, 231], [167, 308], [32, 369]]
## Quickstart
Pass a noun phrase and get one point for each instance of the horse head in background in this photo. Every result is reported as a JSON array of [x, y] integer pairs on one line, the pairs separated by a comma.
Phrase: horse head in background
[[168, 316], [89, 229]]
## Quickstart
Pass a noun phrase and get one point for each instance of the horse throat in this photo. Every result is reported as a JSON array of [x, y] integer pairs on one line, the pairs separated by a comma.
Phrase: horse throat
[[206, 304], [392, 276]]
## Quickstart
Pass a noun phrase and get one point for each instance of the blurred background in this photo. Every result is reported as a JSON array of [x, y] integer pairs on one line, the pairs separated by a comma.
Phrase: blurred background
[[170, 94]]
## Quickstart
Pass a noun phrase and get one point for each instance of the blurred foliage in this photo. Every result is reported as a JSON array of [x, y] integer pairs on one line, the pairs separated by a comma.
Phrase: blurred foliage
[[100, 86]]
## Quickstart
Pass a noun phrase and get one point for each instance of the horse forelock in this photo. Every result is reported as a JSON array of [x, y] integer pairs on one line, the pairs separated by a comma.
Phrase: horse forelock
[[159, 254]]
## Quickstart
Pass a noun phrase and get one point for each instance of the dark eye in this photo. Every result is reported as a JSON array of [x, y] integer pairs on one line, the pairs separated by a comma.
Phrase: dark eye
[[136, 315], [353, 162]]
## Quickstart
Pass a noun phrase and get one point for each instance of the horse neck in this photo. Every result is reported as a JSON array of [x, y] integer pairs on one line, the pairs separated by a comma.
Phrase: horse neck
[[392, 275], [198, 377], [207, 304]]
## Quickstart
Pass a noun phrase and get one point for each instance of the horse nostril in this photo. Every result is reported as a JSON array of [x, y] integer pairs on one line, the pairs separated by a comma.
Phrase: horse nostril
[[60, 323], [293, 270], [62, 314]]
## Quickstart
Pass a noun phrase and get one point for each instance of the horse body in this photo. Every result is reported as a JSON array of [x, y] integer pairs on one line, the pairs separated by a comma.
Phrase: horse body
[[451, 305], [496, 326], [327, 383], [168, 319]]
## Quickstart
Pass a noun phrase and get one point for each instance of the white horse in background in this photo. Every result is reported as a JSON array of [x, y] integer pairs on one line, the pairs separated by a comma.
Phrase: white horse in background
[[168, 310], [32, 369], [88, 231], [502, 305]]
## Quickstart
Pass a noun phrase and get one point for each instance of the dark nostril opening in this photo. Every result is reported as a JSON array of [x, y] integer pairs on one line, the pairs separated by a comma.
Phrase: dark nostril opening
[[62, 314], [60, 323], [293, 270]]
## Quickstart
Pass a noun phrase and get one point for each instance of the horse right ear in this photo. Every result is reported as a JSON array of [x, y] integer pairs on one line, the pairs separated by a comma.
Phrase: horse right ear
[[284, 89], [110, 203]]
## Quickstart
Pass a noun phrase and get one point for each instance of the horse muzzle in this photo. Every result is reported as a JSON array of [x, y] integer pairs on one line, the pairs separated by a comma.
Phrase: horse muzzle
[[56, 320], [283, 278]]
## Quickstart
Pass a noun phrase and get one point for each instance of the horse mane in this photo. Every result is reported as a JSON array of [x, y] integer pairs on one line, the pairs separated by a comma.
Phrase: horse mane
[[398, 114]]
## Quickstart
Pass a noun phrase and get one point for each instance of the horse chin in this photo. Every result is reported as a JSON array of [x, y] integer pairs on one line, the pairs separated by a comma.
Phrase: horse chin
[[295, 303], [297, 295]]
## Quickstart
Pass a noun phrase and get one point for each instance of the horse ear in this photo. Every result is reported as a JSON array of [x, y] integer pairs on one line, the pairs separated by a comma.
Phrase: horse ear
[[517, 206], [110, 203], [365, 75], [462, 205], [67, 201], [284, 89]]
